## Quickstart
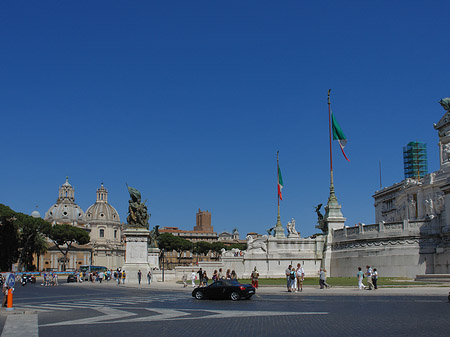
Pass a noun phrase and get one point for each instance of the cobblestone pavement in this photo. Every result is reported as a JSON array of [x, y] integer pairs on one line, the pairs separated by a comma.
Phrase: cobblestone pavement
[[170, 310]]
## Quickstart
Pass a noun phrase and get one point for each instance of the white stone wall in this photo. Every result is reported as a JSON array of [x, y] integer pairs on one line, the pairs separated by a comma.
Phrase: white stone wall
[[401, 249]]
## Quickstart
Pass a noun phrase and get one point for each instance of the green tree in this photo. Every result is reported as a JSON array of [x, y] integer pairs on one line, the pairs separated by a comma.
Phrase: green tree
[[240, 246], [216, 248], [170, 242], [9, 240], [64, 236], [31, 239], [22, 237], [202, 247]]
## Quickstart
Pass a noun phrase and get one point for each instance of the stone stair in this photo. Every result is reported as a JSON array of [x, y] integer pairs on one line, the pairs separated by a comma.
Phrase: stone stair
[[441, 278]]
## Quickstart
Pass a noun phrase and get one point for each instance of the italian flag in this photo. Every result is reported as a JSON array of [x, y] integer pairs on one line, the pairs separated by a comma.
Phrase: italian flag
[[280, 183], [338, 135]]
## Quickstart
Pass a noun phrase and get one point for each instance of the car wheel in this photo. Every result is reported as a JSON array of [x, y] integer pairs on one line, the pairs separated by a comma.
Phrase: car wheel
[[234, 296], [199, 295]]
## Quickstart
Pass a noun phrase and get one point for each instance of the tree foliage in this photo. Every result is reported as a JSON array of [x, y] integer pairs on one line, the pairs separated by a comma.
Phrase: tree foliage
[[202, 247], [170, 242], [21, 236], [9, 242], [240, 246], [64, 236]]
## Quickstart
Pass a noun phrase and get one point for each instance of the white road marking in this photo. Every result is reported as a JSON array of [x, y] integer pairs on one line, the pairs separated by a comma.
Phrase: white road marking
[[119, 316], [109, 314], [21, 326]]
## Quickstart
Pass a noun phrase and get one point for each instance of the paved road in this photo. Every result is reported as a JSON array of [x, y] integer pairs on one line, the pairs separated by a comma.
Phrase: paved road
[[108, 310]]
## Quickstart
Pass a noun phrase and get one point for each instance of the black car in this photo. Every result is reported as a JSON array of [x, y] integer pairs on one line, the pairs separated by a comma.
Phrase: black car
[[224, 289], [71, 278]]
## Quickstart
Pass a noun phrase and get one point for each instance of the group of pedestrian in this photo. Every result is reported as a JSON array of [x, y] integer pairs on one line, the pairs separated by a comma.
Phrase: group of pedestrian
[[372, 278], [295, 278], [203, 278], [120, 276], [149, 276], [49, 279]]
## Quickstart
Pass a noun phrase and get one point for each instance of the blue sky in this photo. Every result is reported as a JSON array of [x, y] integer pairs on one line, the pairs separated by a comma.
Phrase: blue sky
[[189, 101]]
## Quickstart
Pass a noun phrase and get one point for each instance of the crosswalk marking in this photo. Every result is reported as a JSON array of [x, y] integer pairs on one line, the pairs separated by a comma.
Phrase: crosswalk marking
[[95, 303], [112, 316]]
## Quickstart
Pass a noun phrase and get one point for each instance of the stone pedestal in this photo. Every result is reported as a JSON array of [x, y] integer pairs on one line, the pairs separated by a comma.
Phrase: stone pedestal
[[136, 254], [153, 257], [333, 220]]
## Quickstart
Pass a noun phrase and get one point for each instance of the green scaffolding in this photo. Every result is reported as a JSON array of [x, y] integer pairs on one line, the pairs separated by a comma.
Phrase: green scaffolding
[[415, 161]]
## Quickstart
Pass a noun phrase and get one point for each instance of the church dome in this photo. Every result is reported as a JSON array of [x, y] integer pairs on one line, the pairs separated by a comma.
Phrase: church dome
[[35, 214], [65, 210], [102, 211]]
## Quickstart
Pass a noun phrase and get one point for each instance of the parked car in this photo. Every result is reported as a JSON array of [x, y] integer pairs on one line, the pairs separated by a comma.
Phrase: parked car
[[71, 278], [224, 289]]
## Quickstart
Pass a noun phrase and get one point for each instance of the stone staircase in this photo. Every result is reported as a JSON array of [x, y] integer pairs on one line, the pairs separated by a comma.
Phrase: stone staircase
[[441, 278]]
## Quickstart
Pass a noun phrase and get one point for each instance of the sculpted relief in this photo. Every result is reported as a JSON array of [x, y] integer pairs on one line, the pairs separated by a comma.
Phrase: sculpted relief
[[445, 153]]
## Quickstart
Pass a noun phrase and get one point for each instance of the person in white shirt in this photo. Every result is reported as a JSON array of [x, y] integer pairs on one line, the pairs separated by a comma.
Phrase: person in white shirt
[[193, 276], [375, 278], [300, 277]]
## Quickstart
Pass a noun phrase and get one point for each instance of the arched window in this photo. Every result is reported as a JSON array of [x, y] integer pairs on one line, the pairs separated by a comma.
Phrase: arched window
[[102, 233], [115, 234]]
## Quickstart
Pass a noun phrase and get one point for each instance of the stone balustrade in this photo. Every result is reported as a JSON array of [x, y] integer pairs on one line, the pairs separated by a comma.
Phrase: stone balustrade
[[382, 229]]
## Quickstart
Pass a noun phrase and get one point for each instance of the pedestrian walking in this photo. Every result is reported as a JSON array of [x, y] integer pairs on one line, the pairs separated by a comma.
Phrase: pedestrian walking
[[149, 277], [375, 278], [300, 277], [360, 276], [124, 276], [205, 279], [5, 294], [255, 278], [293, 279], [369, 277], [184, 279], [287, 272], [119, 277], [139, 276], [193, 277], [200, 276], [323, 278]]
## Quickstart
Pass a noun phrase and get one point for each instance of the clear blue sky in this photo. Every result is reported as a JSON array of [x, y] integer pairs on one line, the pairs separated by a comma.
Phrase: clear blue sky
[[189, 101]]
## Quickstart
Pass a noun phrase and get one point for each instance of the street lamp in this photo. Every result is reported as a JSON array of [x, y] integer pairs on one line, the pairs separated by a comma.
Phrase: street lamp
[[162, 259]]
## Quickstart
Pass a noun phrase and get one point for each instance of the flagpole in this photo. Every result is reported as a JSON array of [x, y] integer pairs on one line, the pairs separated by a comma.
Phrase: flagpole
[[278, 179], [329, 125], [331, 149], [279, 230]]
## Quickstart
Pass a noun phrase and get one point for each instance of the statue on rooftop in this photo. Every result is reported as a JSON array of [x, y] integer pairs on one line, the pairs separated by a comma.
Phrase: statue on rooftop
[[445, 103], [292, 232]]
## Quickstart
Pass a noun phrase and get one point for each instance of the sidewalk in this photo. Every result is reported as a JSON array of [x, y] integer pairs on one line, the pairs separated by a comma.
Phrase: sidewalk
[[429, 290]]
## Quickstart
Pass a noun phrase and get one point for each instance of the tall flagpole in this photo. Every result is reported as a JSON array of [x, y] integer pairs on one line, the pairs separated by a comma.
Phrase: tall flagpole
[[332, 195], [279, 230], [278, 193]]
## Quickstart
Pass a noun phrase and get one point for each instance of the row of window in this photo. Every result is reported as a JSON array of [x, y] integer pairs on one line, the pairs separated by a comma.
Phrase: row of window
[[101, 233]]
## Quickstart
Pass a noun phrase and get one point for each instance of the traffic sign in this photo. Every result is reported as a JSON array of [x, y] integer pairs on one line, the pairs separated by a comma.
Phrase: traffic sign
[[10, 280]]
